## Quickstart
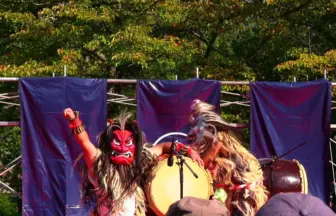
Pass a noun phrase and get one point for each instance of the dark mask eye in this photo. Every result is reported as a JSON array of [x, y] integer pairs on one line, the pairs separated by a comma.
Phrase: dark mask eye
[[129, 141], [116, 142]]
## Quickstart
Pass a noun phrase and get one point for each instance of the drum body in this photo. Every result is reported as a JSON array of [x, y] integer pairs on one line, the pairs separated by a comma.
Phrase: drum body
[[163, 186], [281, 176]]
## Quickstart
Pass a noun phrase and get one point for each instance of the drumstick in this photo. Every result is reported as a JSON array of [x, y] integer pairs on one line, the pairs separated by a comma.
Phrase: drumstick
[[275, 159], [290, 151]]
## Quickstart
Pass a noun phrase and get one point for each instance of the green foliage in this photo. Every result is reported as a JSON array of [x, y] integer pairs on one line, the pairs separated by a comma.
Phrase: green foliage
[[228, 40], [10, 142], [8, 206], [310, 65]]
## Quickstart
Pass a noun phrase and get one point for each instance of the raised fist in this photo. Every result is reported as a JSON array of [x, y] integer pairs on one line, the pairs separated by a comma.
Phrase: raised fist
[[69, 114]]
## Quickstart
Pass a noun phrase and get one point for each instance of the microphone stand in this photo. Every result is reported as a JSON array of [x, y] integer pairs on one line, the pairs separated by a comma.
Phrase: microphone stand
[[180, 163]]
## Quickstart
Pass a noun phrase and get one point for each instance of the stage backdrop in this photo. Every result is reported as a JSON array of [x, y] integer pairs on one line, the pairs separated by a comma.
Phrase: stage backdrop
[[48, 148], [164, 106], [285, 115]]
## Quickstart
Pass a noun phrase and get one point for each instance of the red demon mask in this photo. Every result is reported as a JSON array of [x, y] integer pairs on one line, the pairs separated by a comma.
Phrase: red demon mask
[[123, 147]]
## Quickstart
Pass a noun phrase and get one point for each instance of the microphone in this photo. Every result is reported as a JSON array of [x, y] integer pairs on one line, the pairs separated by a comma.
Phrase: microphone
[[171, 159]]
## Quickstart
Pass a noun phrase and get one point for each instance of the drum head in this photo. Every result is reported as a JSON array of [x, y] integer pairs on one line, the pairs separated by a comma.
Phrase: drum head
[[163, 188]]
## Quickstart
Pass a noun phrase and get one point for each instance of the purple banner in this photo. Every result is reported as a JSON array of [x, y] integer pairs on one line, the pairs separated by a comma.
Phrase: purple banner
[[50, 185], [164, 106], [285, 115]]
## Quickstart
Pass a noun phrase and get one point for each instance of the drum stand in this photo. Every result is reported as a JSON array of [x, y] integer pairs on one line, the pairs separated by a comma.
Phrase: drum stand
[[180, 162]]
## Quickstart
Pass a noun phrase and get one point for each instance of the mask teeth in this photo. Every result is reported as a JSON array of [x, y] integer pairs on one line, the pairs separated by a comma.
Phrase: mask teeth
[[127, 154]]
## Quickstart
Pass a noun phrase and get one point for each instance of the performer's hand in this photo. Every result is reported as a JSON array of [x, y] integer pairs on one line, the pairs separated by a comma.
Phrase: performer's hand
[[69, 114], [196, 157]]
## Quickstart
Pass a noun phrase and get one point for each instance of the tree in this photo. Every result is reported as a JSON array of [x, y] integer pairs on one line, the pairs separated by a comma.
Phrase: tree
[[231, 39], [309, 65]]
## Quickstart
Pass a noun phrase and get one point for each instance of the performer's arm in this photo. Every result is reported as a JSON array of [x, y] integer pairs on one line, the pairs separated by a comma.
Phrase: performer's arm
[[81, 136], [161, 148], [164, 148]]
